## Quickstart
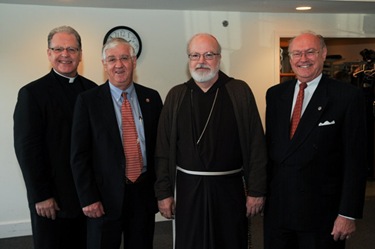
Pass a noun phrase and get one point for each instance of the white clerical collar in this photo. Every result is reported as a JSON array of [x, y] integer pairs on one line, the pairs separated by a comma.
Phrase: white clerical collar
[[71, 79]]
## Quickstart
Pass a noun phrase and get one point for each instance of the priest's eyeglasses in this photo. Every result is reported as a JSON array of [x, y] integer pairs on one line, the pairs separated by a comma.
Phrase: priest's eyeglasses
[[310, 54], [70, 50], [207, 56]]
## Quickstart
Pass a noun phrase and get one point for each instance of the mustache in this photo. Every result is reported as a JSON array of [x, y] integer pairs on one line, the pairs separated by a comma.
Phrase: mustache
[[201, 65]]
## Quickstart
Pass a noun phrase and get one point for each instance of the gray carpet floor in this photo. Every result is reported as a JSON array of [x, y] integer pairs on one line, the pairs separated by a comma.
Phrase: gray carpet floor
[[364, 238]]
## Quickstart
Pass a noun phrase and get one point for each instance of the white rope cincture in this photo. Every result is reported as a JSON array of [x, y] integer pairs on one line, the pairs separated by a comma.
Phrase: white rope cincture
[[209, 173]]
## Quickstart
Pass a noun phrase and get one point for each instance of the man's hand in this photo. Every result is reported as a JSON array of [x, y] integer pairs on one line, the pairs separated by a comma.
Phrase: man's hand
[[94, 210], [166, 207], [47, 208], [343, 228], [254, 205]]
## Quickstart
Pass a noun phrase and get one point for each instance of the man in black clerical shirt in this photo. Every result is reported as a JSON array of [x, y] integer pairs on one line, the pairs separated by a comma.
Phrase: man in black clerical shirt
[[42, 128]]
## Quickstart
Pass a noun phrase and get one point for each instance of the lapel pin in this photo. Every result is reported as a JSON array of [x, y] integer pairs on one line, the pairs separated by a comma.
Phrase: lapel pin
[[147, 100], [320, 108]]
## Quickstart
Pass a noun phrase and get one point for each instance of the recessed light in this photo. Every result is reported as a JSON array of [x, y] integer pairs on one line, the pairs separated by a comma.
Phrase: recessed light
[[303, 8]]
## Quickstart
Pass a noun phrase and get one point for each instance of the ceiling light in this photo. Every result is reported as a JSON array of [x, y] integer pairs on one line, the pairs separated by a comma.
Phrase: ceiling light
[[303, 8]]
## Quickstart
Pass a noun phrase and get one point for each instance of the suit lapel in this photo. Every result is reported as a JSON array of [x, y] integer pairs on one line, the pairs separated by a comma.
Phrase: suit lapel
[[144, 103], [311, 116], [282, 112], [285, 111], [105, 107]]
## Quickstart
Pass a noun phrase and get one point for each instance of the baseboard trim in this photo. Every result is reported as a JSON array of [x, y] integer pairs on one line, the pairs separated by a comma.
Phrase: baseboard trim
[[23, 227], [15, 229]]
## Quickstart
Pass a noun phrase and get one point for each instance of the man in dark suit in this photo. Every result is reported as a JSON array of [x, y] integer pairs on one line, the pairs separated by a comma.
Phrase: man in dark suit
[[317, 176], [42, 127], [115, 205]]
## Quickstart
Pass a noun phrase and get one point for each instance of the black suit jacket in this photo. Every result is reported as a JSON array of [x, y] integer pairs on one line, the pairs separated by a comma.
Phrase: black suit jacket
[[98, 159], [42, 127], [321, 172]]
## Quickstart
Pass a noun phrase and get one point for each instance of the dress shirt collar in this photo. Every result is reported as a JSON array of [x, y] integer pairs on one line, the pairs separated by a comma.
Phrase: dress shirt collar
[[117, 92], [314, 83]]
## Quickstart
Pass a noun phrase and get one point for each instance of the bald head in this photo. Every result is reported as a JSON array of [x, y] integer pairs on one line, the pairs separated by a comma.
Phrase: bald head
[[204, 38]]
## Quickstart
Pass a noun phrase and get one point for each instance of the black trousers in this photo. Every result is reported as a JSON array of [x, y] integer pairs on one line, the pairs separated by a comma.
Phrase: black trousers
[[282, 238], [61, 233], [136, 225]]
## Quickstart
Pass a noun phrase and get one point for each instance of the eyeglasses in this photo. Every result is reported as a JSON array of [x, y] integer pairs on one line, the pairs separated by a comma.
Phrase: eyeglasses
[[310, 54], [70, 50], [207, 56], [113, 60]]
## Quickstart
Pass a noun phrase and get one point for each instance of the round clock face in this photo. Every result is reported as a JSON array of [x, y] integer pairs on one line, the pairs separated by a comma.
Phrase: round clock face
[[128, 34]]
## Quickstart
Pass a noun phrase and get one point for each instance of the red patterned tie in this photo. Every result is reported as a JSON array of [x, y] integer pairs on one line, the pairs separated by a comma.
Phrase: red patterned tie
[[297, 109], [131, 144]]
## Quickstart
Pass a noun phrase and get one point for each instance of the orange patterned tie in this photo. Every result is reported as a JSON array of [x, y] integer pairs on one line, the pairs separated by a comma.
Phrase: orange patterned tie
[[297, 109], [130, 141]]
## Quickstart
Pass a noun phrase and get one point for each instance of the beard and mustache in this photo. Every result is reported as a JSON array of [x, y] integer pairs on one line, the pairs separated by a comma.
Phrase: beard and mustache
[[204, 76]]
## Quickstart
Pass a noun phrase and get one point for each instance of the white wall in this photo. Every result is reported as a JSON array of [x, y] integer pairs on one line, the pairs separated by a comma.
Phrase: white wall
[[250, 52]]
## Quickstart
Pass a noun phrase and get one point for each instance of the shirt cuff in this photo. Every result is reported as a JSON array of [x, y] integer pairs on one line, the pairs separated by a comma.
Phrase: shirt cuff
[[350, 218]]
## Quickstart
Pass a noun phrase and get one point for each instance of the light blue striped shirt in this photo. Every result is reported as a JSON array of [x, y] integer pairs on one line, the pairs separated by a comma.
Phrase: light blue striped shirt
[[137, 114]]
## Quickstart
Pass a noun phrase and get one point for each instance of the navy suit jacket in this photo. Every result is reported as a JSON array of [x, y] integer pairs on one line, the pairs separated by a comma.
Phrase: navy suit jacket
[[42, 126], [97, 158], [321, 172]]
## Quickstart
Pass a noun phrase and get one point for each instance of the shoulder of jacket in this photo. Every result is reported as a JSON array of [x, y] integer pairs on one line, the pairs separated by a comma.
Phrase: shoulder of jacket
[[88, 81]]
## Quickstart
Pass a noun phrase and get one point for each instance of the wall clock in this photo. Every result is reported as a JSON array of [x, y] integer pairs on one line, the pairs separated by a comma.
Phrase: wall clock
[[128, 34]]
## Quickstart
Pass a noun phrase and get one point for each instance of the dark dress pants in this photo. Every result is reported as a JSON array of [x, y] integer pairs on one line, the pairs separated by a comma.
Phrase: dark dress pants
[[61, 233], [282, 238], [136, 224]]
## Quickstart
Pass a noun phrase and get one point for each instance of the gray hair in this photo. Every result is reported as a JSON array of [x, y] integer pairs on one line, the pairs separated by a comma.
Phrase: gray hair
[[203, 34], [115, 42], [320, 37], [65, 29]]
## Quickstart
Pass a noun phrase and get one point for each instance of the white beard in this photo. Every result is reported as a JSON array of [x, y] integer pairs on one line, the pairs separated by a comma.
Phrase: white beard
[[204, 77]]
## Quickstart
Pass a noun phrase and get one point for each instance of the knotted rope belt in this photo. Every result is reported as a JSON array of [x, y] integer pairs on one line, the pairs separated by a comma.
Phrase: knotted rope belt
[[209, 173]]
